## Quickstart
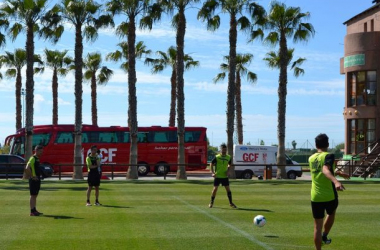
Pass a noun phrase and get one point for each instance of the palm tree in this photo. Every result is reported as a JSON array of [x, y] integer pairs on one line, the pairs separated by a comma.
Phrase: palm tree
[[179, 23], [15, 62], [33, 18], [133, 10], [61, 64], [4, 24], [168, 59], [285, 23], [86, 17], [242, 61], [236, 10], [140, 51], [92, 64]]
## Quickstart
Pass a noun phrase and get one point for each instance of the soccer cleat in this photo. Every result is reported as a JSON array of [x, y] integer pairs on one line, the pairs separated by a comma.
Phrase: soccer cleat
[[211, 204], [326, 241], [34, 214], [233, 205], [88, 204], [39, 213], [97, 203]]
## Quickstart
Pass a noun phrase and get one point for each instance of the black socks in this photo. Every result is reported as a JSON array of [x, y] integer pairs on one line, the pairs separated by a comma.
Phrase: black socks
[[229, 194]]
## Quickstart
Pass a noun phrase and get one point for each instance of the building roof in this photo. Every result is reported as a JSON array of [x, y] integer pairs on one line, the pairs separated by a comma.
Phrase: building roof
[[377, 5]]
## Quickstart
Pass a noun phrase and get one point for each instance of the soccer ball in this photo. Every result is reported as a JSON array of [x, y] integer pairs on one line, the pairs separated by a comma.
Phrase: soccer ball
[[259, 221]]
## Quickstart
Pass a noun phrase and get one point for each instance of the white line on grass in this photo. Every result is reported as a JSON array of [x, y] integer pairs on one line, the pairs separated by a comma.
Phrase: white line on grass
[[245, 234]]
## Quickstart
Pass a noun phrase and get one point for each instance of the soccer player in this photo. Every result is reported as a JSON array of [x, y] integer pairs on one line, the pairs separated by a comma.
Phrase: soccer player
[[222, 163], [34, 171], [93, 179], [324, 189]]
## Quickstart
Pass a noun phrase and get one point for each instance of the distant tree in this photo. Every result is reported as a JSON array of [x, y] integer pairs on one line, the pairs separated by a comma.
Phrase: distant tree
[[294, 144], [169, 59], [15, 62], [262, 143], [97, 75], [61, 64], [249, 143], [242, 61]]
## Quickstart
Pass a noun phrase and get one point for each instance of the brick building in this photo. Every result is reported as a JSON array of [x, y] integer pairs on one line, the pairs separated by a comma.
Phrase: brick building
[[361, 66]]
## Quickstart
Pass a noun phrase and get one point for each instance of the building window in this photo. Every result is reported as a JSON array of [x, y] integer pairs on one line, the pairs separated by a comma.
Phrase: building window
[[363, 88], [372, 25], [361, 135], [365, 27]]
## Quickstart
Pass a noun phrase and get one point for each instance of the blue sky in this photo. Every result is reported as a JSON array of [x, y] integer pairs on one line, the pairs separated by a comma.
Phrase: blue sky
[[315, 101]]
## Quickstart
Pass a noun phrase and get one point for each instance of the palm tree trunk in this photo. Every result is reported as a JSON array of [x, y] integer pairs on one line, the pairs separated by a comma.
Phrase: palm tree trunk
[[231, 89], [94, 109], [18, 101], [55, 96], [239, 109], [29, 92], [78, 174], [282, 92], [173, 99], [132, 99], [180, 40]]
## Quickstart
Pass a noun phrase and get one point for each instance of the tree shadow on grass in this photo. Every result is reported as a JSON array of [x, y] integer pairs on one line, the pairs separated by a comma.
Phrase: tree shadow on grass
[[60, 217]]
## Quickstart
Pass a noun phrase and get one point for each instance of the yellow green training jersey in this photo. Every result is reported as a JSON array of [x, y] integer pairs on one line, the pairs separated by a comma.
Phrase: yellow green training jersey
[[322, 189], [221, 165]]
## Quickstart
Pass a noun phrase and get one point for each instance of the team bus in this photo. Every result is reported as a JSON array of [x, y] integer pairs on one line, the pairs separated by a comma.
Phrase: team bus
[[157, 146]]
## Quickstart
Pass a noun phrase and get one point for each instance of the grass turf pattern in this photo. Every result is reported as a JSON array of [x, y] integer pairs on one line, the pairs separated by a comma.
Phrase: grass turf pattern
[[175, 215]]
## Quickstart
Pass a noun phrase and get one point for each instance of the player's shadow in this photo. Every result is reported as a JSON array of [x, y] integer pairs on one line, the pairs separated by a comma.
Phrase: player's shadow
[[254, 209], [60, 217], [272, 236], [114, 206], [247, 209]]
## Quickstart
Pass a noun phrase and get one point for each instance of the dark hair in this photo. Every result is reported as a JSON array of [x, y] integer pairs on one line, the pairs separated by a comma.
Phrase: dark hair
[[38, 147], [93, 146], [98, 151], [322, 141], [223, 145]]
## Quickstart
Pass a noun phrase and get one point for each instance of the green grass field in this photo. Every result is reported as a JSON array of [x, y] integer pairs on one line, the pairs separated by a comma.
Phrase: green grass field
[[175, 215]]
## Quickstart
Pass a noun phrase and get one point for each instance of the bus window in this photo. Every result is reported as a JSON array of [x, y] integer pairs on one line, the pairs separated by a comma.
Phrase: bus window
[[192, 136], [17, 146], [108, 137], [163, 136], [64, 137], [125, 137], [142, 137], [41, 139]]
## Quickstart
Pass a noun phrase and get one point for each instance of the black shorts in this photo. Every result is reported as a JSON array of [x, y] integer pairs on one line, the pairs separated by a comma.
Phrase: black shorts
[[34, 186], [319, 208], [224, 181], [93, 179]]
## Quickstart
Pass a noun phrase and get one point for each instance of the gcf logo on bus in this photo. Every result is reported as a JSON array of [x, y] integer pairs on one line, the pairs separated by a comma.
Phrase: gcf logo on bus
[[107, 154]]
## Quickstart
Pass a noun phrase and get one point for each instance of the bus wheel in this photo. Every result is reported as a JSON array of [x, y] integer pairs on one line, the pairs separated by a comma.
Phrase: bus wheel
[[161, 168], [143, 170]]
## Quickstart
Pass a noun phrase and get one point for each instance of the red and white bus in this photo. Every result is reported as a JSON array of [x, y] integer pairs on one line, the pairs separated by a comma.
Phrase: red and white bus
[[157, 146]]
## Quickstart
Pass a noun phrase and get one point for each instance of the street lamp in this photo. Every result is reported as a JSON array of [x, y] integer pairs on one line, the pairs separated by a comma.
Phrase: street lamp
[[23, 106]]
